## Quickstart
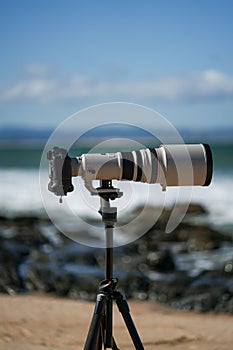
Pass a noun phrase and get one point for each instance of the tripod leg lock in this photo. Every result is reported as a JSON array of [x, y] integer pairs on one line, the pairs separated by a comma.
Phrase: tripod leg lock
[[99, 306]]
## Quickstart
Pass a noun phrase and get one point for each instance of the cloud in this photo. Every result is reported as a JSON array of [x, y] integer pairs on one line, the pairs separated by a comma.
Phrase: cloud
[[207, 85], [37, 88], [204, 86], [37, 69]]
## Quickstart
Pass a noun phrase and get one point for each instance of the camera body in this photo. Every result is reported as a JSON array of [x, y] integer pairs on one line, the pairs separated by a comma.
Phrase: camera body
[[60, 172]]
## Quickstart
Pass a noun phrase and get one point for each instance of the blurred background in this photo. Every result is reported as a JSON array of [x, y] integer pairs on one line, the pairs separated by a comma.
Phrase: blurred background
[[58, 57]]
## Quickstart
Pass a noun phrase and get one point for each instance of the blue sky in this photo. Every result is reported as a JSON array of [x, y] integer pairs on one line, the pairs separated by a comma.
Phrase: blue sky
[[175, 56]]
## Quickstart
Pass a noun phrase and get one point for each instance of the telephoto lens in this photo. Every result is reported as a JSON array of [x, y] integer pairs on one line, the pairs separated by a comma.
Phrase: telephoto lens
[[169, 165]]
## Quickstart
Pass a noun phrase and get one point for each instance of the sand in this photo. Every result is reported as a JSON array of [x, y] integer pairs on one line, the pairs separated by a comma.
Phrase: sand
[[38, 322]]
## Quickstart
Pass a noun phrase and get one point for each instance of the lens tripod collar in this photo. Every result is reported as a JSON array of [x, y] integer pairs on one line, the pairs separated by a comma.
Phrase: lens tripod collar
[[110, 192]]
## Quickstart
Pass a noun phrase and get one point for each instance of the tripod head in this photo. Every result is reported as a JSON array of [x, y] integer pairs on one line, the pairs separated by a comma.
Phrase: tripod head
[[105, 191]]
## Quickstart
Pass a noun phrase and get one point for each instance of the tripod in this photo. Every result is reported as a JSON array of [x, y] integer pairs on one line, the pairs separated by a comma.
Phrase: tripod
[[100, 331]]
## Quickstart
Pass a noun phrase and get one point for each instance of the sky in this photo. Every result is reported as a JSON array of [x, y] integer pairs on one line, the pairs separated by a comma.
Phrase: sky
[[59, 56]]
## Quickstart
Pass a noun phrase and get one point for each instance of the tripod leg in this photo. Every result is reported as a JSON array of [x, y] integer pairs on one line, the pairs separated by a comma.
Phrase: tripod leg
[[94, 338], [108, 326], [109, 342], [124, 310]]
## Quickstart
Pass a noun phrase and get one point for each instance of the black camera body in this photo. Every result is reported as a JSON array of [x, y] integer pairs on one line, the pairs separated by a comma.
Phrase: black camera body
[[60, 172]]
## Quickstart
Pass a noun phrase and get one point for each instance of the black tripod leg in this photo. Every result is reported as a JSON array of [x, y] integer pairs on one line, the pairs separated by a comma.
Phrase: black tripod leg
[[109, 343], [108, 325], [95, 334], [124, 310]]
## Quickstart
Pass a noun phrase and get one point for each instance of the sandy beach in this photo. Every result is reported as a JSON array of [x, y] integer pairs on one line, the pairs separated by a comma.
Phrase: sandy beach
[[38, 322]]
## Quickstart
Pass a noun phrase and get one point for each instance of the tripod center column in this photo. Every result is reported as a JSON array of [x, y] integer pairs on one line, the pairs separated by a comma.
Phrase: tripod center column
[[109, 217]]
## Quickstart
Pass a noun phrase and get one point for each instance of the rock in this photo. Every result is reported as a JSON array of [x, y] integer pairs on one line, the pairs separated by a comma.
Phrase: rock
[[34, 256], [150, 211], [196, 238], [168, 287], [161, 261], [197, 209], [200, 303], [210, 291], [11, 255]]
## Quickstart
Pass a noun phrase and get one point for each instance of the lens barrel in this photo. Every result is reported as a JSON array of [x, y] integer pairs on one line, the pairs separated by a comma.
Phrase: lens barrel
[[169, 165]]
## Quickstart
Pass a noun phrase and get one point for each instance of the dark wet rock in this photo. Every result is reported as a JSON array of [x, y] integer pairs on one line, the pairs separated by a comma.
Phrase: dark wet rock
[[197, 209], [161, 261], [210, 291], [78, 281], [213, 281], [168, 287], [11, 255], [61, 279], [23, 230], [158, 266], [3, 219], [200, 303], [144, 258], [225, 305], [196, 238], [74, 253], [164, 214], [59, 269], [134, 285]]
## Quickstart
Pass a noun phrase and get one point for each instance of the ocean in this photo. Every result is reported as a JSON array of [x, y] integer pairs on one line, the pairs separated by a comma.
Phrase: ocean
[[20, 188]]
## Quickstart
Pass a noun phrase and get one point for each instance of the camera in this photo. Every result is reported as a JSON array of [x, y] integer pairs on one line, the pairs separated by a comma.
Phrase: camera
[[169, 165], [60, 172]]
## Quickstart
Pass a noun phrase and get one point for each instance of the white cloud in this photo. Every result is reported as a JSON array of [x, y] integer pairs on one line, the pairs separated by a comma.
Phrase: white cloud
[[37, 69], [203, 86], [37, 88]]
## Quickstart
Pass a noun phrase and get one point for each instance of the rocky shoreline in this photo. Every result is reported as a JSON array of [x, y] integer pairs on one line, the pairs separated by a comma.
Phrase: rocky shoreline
[[189, 269]]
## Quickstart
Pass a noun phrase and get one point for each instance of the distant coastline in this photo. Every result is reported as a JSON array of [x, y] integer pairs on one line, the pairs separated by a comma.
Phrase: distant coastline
[[38, 136]]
